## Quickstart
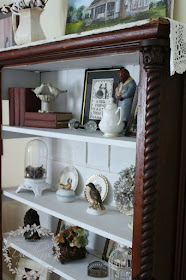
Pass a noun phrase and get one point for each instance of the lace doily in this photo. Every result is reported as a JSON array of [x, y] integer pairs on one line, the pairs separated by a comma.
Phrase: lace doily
[[178, 47]]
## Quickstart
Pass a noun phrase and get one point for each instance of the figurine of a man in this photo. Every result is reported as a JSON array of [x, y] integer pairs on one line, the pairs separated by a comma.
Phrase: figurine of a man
[[125, 92]]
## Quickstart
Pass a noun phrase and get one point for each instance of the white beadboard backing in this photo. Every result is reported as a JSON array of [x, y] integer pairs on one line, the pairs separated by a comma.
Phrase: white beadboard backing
[[98, 156], [121, 158], [66, 151], [73, 82], [18, 78]]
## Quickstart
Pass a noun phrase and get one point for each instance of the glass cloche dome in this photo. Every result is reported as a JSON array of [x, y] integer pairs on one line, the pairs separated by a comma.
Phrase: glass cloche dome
[[36, 154], [35, 168]]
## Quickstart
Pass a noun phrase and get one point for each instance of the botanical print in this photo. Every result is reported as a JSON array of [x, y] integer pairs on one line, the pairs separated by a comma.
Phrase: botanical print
[[84, 15], [101, 90]]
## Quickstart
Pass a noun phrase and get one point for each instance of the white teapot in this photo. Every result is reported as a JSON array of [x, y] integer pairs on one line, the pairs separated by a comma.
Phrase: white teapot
[[112, 120]]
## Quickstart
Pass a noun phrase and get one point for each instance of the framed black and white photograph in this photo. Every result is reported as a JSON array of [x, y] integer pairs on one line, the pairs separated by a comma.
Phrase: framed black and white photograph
[[6, 31], [99, 85], [131, 128], [110, 246], [28, 265], [62, 225]]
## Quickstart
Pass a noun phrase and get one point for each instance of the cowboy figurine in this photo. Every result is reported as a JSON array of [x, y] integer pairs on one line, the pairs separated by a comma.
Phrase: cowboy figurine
[[125, 92]]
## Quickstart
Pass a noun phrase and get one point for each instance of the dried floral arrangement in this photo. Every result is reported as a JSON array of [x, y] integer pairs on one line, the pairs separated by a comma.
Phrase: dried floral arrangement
[[22, 4], [73, 237], [35, 172], [72, 243], [124, 191]]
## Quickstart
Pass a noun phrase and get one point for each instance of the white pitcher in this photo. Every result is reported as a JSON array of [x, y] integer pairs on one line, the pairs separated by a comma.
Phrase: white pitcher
[[112, 121], [26, 26]]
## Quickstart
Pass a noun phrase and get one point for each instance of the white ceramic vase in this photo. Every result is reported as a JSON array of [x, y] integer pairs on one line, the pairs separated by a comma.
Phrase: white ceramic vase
[[27, 29]]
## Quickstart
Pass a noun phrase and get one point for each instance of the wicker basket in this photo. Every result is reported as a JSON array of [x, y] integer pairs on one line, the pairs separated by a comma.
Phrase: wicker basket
[[69, 254]]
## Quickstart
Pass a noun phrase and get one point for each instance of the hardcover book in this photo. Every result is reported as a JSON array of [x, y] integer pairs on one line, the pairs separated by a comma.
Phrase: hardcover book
[[22, 100], [46, 124], [28, 103], [57, 116], [17, 106]]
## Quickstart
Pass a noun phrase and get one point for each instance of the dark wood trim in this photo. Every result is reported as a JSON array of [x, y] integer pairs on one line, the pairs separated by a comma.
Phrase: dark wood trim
[[119, 41], [147, 159]]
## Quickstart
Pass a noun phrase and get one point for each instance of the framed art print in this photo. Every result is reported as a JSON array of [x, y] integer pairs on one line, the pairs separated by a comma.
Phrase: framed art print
[[99, 85], [110, 246], [85, 15], [62, 225]]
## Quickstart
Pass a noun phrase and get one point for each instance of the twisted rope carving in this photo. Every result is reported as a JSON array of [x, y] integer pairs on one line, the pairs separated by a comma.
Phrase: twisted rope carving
[[150, 173]]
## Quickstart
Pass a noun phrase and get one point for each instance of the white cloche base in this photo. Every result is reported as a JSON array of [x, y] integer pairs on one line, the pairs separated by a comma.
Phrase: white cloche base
[[95, 212], [35, 185]]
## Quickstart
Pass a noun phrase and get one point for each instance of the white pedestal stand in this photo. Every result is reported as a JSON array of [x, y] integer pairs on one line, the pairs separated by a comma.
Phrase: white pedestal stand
[[35, 185]]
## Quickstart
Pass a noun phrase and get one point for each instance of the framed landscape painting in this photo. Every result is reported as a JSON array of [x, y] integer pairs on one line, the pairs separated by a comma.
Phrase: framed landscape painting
[[84, 15]]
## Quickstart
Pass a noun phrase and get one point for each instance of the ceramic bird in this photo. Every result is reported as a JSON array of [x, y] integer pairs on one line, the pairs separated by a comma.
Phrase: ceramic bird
[[95, 195], [55, 91], [68, 185], [39, 89]]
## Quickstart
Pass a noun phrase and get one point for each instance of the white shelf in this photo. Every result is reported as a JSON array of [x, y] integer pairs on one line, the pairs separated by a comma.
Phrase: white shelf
[[111, 224], [41, 252], [76, 135]]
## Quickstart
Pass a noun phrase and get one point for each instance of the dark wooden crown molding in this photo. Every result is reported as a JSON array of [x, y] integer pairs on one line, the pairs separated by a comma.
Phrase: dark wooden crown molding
[[153, 63], [117, 41]]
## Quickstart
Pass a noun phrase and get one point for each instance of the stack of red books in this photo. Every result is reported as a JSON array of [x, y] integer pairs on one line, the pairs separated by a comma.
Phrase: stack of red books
[[47, 120], [21, 100]]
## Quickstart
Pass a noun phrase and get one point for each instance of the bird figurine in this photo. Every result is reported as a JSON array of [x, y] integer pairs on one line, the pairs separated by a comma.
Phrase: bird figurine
[[55, 91], [68, 185], [95, 195], [39, 89]]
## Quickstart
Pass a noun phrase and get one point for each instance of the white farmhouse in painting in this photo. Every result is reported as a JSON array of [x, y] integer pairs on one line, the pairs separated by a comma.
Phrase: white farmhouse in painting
[[111, 9]]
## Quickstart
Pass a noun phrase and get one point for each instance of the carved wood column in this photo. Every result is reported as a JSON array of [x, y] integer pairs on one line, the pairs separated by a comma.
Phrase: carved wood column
[[152, 60]]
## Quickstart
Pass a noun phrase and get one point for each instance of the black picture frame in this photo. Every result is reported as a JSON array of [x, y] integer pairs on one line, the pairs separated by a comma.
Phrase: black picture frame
[[99, 85], [110, 246], [62, 225], [131, 128]]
